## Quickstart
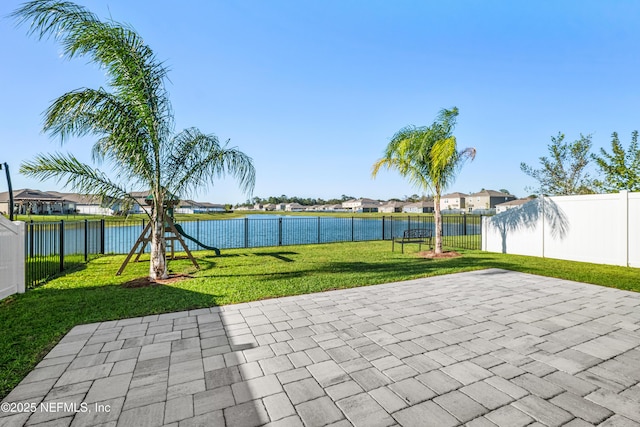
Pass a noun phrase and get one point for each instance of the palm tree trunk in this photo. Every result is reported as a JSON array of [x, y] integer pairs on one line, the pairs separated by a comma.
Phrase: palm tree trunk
[[437, 218], [158, 264]]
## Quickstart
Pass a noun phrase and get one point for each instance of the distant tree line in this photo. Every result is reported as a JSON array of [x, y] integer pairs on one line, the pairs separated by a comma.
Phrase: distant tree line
[[304, 201], [308, 201]]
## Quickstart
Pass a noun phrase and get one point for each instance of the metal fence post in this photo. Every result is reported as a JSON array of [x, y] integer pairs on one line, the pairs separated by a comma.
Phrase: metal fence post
[[352, 230], [382, 227], [464, 221], [246, 232], [61, 241], [86, 240], [31, 239], [280, 231], [102, 237], [318, 229]]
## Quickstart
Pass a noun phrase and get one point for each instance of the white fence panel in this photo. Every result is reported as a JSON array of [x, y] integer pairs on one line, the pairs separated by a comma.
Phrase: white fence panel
[[598, 228], [634, 230], [12, 262]]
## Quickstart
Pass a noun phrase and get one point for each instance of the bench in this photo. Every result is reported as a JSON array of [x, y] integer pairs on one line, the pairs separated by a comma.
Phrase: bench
[[415, 235]]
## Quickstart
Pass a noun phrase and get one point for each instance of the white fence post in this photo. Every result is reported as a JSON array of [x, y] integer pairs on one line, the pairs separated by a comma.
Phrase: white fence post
[[624, 226], [21, 266], [12, 261]]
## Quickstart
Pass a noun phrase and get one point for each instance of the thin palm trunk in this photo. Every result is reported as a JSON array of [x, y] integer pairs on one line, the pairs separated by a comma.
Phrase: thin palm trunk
[[158, 264], [437, 219]]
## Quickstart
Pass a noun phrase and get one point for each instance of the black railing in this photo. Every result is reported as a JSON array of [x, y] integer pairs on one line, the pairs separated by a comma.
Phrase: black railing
[[52, 247]]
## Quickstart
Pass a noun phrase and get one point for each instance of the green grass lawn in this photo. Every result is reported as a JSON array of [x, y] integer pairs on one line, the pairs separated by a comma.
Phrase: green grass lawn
[[32, 323]]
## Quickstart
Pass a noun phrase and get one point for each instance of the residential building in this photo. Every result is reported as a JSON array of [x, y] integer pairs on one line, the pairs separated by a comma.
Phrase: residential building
[[28, 201], [90, 204], [391, 207], [453, 201], [487, 199], [503, 207], [361, 205], [419, 207], [188, 207], [212, 207], [294, 207], [141, 206]]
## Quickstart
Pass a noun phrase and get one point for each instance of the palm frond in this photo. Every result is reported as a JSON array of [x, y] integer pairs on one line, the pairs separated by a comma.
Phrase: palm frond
[[90, 111], [52, 18], [69, 171], [199, 158]]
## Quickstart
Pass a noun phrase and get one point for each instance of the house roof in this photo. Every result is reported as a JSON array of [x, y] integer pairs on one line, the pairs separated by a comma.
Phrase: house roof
[[394, 204], [188, 203], [80, 199], [427, 204], [491, 193], [213, 205], [27, 194], [515, 202], [454, 196]]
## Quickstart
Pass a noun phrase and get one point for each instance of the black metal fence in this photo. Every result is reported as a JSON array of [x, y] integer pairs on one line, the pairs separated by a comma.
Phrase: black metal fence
[[52, 247]]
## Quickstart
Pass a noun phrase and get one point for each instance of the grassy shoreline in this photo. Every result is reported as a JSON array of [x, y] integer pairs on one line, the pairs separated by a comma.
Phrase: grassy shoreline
[[32, 323]]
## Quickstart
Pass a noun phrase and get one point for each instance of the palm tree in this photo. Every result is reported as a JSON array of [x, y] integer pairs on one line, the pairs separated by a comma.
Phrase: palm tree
[[429, 158], [133, 122]]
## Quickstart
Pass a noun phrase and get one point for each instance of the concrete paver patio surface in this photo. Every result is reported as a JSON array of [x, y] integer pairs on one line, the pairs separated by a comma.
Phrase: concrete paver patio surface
[[483, 348]]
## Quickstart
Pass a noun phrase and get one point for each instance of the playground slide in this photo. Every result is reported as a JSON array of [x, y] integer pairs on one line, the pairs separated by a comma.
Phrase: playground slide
[[211, 248]]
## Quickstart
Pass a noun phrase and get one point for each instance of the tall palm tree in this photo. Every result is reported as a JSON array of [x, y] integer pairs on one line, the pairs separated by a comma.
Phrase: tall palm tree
[[429, 158], [133, 121]]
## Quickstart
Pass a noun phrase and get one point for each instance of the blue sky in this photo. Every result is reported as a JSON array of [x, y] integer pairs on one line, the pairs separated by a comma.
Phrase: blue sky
[[313, 90]]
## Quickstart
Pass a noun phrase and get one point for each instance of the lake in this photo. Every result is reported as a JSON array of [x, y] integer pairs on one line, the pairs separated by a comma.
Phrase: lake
[[249, 232]]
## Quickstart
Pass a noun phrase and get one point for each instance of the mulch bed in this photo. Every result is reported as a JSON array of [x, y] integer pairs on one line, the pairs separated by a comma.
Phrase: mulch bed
[[432, 255], [142, 282]]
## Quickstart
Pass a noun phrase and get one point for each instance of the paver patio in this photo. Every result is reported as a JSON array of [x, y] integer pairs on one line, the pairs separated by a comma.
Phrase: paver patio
[[483, 348]]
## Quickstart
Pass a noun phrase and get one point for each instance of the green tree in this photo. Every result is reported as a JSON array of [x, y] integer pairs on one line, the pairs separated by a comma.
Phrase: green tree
[[429, 158], [621, 168], [564, 172], [133, 122]]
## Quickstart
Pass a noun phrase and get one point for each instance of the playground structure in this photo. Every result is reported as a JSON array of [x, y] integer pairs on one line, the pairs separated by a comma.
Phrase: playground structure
[[173, 233]]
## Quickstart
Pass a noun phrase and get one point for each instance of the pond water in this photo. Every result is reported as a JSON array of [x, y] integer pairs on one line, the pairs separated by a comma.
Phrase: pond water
[[251, 231]]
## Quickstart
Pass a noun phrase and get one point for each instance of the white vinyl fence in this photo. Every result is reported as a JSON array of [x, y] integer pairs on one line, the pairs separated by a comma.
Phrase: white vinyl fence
[[598, 228], [12, 262]]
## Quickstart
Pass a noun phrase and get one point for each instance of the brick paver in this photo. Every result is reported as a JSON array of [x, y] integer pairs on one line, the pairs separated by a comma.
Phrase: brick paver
[[483, 348]]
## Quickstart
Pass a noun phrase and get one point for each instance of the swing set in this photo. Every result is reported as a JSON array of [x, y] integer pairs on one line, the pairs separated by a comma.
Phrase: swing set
[[173, 233]]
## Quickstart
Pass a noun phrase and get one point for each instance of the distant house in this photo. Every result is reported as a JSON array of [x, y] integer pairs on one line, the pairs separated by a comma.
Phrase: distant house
[[280, 206], [188, 207], [453, 201], [503, 207], [212, 207], [419, 207], [391, 207], [28, 201], [294, 207], [269, 207], [487, 199], [334, 208], [90, 204], [361, 205], [142, 206]]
